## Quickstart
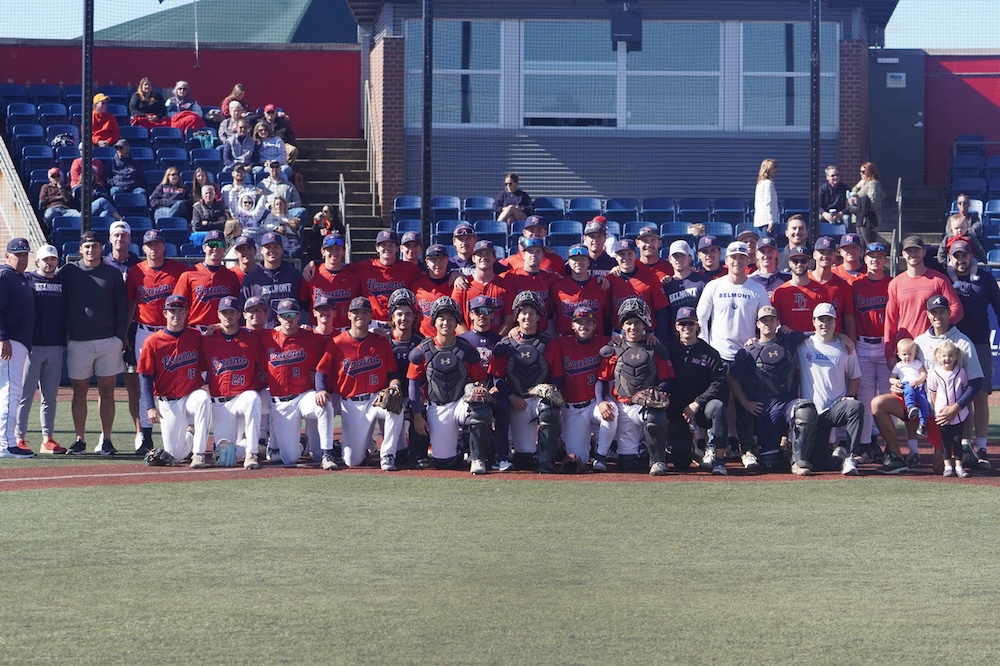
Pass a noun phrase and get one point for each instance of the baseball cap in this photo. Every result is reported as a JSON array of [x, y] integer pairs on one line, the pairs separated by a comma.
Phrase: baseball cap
[[152, 236], [175, 302], [583, 312], [334, 238], [578, 250], [100, 97], [681, 247], [239, 167], [271, 163], [648, 230], [767, 241], [359, 303], [534, 221], [707, 241], [46, 251], [387, 236], [482, 302], [959, 246], [54, 170], [876, 247], [749, 231], [824, 310], [121, 143], [288, 306], [244, 240], [482, 246], [767, 311], [322, 302], [410, 237], [797, 251], [464, 229], [88, 236], [911, 241], [229, 303], [436, 250], [214, 235], [850, 239], [825, 243], [595, 226], [254, 302], [268, 108], [686, 313], [526, 242], [938, 301], [18, 246], [120, 226], [270, 237], [623, 245], [738, 247]]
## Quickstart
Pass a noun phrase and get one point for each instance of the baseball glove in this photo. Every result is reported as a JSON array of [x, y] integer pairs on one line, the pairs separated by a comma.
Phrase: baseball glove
[[549, 393], [224, 454], [389, 399], [159, 458], [651, 398], [477, 394]]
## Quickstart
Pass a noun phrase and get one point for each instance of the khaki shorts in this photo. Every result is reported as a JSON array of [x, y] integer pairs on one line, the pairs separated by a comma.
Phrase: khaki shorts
[[85, 358]]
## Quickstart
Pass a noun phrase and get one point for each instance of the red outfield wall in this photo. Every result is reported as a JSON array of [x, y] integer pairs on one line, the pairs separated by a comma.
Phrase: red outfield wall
[[319, 89]]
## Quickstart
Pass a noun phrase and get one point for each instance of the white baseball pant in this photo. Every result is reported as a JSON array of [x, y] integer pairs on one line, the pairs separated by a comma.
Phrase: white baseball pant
[[286, 424], [579, 420], [11, 387], [313, 449], [630, 431], [874, 380], [43, 371], [237, 419], [444, 425], [142, 332], [357, 418], [524, 426], [195, 408]]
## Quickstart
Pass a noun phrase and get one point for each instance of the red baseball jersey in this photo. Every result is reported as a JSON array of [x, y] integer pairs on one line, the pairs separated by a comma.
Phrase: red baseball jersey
[[173, 361], [204, 289], [379, 281], [566, 294], [231, 364], [540, 283], [644, 284], [842, 273], [149, 287], [339, 287], [354, 367], [662, 268], [551, 261], [581, 366], [795, 305], [427, 291], [473, 368], [499, 289], [238, 272], [291, 360], [664, 371], [870, 299], [841, 298]]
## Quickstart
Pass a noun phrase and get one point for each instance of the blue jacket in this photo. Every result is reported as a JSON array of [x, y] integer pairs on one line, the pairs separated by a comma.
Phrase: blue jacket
[[17, 307]]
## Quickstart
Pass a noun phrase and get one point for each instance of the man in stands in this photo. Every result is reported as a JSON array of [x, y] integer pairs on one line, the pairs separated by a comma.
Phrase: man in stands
[[125, 176], [104, 130], [833, 196], [281, 127], [274, 185]]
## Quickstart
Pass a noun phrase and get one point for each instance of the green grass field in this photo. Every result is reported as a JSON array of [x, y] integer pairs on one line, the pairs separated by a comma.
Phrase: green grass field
[[375, 568]]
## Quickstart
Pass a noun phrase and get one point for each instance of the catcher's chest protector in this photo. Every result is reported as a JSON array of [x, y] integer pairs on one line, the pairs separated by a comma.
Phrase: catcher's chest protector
[[401, 350], [446, 372], [776, 373], [635, 368], [526, 364]]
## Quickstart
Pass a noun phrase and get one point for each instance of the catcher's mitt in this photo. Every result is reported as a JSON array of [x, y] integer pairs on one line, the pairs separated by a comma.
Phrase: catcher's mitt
[[477, 394], [572, 464], [389, 399], [651, 398], [159, 458], [549, 393], [224, 454]]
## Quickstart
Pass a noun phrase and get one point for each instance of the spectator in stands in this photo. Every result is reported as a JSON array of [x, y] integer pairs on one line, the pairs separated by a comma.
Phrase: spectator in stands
[[513, 204], [246, 218], [229, 126], [833, 196], [182, 101], [170, 198], [241, 148], [959, 230], [233, 193], [146, 106], [280, 220], [962, 203], [100, 202], [281, 126], [271, 148], [765, 208], [275, 185], [104, 130], [237, 95], [125, 177], [56, 200], [200, 180], [865, 203], [209, 213]]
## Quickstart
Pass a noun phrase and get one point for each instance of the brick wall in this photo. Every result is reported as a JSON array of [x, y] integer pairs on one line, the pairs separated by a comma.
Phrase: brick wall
[[387, 83], [853, 144]]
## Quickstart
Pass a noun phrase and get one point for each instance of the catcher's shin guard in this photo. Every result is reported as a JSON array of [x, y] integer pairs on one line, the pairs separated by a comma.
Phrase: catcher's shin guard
[[480, 427], [804, 418], [549, 432], [655, 427]]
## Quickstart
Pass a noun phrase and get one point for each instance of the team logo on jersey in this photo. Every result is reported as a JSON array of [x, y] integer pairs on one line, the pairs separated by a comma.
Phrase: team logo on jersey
[[354, 367], [384, 287], [800, 301], [581, 366], [231, 364], [175, 362], [152, 294], [278, 359], [277, 288], [51, 287], [870, 303], [334, 294], [206, 293]]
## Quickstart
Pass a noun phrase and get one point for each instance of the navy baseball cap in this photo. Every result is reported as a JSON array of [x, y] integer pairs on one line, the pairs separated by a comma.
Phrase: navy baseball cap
[[767, 241], [153, 236], [482, 302], [436, 250], [214, 235], [482, 246], [596, 226], [175, 302], [18, 246], [534, 221], [959, 246], [707, 241], [825, 243], [229, 303], [623, 245], [583, 312], [333, 239], [850, 239], [270, 237], [648, 230], [749, 231], [797, 251], [578, 250], [410, 237], [359, 303], [254, 302], [244, 240], [526, 242], [464, 229], [876, 247], [322, 302], [288, 306], [686, 314], [935, 302], [387, 236]]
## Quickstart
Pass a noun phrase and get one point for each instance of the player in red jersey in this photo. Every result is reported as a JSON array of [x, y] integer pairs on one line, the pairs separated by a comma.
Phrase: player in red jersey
[[292, 354], [534, 227], [632, 279], [170, 372], [837, 289], [432, 286], [579, 289], [531, 277], [484, 282], [335, 281], [385, 274], [871, 295], [208, 283], [230, 358], [584, 372], [853, 267], [796, 299], [356, 366], [648, 245]]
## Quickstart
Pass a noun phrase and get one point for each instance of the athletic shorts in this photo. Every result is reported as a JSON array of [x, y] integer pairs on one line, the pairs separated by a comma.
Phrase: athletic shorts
[[85, 358], [985, 354]]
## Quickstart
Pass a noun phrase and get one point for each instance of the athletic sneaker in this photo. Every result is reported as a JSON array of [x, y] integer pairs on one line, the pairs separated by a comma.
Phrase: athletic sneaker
[[388, 463], [719, 468], [198, 460], [840, 452], [478, 467], [52, 446], [329, 462], [251, 462], [981, 460], [750, 462], [274, 455], [961, 472], [708, 460], [504, 466], [949, 471], [106, 448], [22, 444], [848, 468], [16, 452], [658, 469], [922, 429], [424, 463], [913, 460], [894, 465], [800, 468], [913, 414], [599, 465], [79, 447]]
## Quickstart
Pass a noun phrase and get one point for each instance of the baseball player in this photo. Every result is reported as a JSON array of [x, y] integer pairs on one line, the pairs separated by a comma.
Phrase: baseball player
[[484, 281], [255, 315], [521, 361], [230, 358], [579, 289], [585, 372], [796, 299], [871, 293], [432, 285], [147, 285], [595, 236], [245, 249], [838, 290], [684, 287], [170, 369], [17, 321], [535, 229], [335, 281], [445, 364], [404, 338], [632, 279], [356, 366], [648, 241], [275, 279], [208, 283], [292, 354], [481, 336], [530, 277], [385, 274], [410, 247]]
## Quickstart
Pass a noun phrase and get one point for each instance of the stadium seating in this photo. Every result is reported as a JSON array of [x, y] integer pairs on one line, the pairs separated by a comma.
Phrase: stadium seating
[[622, 210], [44, 93], [478, 208], [733, 211], [446, 208], [52, 131], [584, 208], [166, 137], [567, 227], [27, 134], [834, 230], [970, 144], [674, 229], [976, 188], [795, 206], [967, 166], [550, 208], [721, 230], [694, 210], [406, 207], [52, 114], [402, 226], [991, 213], [172, 157], [129, 203], [658, 210], [136, 135]]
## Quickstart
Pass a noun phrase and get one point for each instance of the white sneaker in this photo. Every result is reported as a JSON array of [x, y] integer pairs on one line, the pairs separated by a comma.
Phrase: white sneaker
[[251, 462], [478, 467], [949, 471], [658, 469], [840, 452], [961, 472], [708, 460], [801, 469], [750, 461], [388, 463], [198, 460], [505, 466], [848, 468]]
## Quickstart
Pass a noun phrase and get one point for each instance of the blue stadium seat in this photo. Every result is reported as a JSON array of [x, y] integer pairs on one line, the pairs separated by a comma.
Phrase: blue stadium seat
[[975, 205], [694, 210], [562, 238], [584, 208], [478, 208], [516, 228], [52, 131], [42, 93], [970, 144], [733, 211], [719, 229], [574, 227], [446, 228], [631, 229], [490, 227], [993, 256], [614, 228], [561, 250], [170, 250], [172, 157], [550, 208], [446, 208], [622, 210], [130, 203], [139, 224], [52, 114], [795, 206], [976, 188], [402, 226], [143, 153], [967, 166], [674, 229], [406, 207], [190, 250], [69, 249], [833, 230], [136, 135], [166, 137], [120, 112], [27, 134], [991, 213], [12, 92], [106, 153], [659, 210], [153, 177], [20, 113]]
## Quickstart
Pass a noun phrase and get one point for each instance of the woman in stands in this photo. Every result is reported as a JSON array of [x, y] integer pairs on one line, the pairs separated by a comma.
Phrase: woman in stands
[[104, 130], [201, 179], [513, 204], [146, 107], [765, 200], [278, 221], [182, 101], [238, 94], [271, 147], [170, 198], [866, 203]]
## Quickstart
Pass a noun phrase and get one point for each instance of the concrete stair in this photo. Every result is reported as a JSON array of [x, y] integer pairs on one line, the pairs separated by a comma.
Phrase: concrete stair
[[322, 161]]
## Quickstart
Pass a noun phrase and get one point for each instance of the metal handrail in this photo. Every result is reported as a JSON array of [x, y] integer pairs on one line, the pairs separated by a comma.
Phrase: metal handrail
[[26, 222], [897, 233], [373, 139], [342, 210]]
